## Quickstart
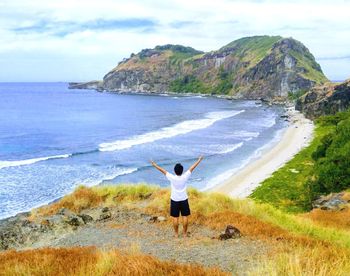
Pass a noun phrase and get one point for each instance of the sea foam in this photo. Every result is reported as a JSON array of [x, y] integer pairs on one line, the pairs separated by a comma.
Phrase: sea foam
[[168, 132], [5, 164]]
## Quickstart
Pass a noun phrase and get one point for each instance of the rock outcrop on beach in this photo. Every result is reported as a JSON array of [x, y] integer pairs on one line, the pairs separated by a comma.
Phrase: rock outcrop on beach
[[326, 99], [266, 67], [97, 85]]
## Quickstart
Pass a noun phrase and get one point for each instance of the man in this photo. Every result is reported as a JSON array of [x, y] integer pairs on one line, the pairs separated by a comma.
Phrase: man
[[179, 199]]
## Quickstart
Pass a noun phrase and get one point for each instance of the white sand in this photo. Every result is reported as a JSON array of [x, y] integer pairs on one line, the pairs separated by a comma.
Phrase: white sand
[[298, 135]]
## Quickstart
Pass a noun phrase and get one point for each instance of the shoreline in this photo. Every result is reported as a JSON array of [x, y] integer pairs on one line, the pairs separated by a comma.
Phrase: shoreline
[[298, 135], [268, 101], [224, 97]]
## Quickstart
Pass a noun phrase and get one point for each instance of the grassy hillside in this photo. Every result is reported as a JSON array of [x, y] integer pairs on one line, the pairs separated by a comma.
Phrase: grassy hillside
[[320, 168], [314, 243], [252, 49], [252, 67], [91, 261], [312, 69], [301, 246]]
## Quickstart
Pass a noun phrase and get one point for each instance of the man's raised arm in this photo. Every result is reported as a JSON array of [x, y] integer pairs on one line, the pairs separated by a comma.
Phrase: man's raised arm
[[158, 168], [196, 164]]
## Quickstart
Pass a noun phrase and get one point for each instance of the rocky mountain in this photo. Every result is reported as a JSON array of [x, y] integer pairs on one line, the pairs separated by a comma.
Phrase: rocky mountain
[[329, 98], [266, 67]]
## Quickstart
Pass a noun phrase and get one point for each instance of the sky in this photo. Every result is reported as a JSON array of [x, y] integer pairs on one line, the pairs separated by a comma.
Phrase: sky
[[71, 40]]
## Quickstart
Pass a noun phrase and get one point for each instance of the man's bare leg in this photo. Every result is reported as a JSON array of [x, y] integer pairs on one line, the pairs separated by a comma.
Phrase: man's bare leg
[[185, 225], [176, 226]]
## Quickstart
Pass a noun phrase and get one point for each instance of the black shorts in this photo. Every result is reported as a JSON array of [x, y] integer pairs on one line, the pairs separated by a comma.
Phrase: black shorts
[[177, 207]]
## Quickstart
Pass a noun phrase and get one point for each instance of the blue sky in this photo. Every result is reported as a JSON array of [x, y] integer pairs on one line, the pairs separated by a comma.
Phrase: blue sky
[[71, 40]]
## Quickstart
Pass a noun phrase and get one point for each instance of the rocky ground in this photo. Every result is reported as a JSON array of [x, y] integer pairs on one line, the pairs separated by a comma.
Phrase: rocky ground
[[131, 230]]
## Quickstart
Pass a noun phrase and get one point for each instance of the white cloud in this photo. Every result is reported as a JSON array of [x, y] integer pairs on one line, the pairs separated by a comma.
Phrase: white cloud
[[323, 26]]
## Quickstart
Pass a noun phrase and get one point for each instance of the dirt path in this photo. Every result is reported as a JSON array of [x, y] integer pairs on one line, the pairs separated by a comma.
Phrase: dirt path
[[132, 230]]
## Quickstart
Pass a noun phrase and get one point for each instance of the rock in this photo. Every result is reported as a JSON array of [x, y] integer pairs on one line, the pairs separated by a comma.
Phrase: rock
[[105, 215], [74, 220], [153, 219], [17, 230], [86, 218], [97, 85], [231, 232], [325, 100], [105, 209], [332, 202], [161, 218], [54, 220]]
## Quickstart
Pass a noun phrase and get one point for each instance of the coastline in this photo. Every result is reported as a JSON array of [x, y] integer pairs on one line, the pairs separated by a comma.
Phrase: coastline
[[257, 101], [270, 102], [298, 135]]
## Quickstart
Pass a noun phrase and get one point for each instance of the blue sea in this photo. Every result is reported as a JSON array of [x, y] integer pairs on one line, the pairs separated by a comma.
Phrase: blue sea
[[53, 139]]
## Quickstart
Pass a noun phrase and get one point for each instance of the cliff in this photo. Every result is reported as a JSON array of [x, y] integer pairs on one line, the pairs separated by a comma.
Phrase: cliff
[[253, 67], [325, 99]]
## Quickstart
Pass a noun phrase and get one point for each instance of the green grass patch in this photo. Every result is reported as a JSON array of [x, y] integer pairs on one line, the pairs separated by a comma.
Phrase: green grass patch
[[313, 70], [252, 49], [287, 188]]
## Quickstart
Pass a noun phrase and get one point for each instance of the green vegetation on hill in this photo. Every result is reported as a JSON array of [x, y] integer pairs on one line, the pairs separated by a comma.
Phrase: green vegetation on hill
[[250, 67], [252, 49], [320, 168], [188, 84], [178, 49], [312, 68], [332, 156], [225, 84]]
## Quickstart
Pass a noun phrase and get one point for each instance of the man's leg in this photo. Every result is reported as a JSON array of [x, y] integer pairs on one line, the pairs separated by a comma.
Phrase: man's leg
[[176, 226], [185, 225]]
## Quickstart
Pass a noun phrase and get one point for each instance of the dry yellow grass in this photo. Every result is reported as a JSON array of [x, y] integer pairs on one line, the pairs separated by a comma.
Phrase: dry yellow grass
[[302, 245], [90, 261], [81, 198], [84, 198], [211, 209], [297, 260], [337, 219]]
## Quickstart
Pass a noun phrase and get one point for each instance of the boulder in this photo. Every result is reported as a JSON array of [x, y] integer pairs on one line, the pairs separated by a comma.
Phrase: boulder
[[74, 220], [326, 99], [105, 209], [86, 218], [231, 232], [105, 215], [153, 219], [332, 202], [161, 218]]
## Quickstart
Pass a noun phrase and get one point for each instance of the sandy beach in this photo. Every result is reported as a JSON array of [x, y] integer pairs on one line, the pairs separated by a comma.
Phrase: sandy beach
[[297, 135]]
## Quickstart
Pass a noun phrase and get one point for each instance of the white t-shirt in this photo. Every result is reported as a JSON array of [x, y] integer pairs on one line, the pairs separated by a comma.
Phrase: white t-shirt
[[178, 185]]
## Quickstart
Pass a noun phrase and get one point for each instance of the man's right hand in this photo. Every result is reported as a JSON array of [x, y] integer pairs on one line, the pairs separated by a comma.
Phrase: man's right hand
[[158, 167]]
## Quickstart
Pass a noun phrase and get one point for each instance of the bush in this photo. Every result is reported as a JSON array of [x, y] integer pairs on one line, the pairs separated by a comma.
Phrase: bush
[[187, 84], [332, 156]]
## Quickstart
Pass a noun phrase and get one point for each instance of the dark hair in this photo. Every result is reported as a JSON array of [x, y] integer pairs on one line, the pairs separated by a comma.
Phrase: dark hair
[[178, 169]]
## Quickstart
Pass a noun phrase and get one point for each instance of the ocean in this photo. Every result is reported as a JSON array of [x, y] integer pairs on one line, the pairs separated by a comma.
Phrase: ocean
[[53, 139]]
